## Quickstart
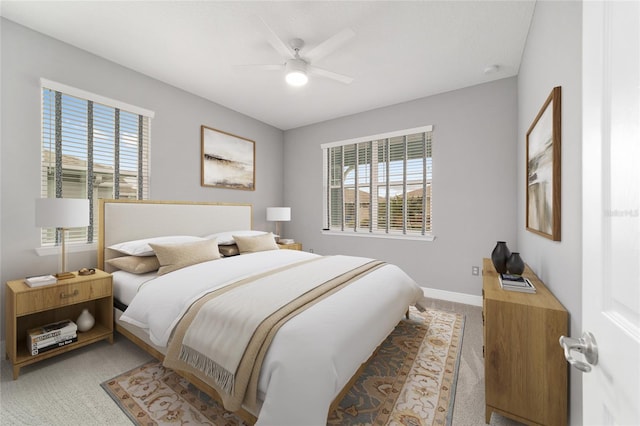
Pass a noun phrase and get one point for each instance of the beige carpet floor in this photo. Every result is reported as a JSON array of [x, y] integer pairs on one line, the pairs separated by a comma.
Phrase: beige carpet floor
[[66, 391]]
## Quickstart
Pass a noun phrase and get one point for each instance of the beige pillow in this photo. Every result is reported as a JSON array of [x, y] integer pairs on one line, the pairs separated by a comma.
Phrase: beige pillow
[[228, 250], [176, 256], [135, 264], [255, 243]]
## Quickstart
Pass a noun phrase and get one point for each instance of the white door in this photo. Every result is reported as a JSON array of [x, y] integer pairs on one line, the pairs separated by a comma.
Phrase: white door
[[611, 210]]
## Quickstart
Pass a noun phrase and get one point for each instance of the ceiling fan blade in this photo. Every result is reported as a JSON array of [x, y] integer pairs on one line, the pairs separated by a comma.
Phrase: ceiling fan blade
[[275, 41], [329, 74], [329, 45], [267, 67]]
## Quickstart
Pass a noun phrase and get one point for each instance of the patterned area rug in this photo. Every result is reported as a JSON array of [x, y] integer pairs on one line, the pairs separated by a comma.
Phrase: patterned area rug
[[411, 380]]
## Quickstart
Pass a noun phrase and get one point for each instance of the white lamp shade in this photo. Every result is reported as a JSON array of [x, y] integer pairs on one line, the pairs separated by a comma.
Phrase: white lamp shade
[[62, 212], [278, 214]]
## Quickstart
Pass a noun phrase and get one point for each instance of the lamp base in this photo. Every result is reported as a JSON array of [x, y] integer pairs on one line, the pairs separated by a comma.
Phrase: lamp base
[[65, 275]]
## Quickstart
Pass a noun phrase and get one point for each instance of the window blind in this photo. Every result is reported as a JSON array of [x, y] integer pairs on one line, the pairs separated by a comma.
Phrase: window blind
[[91, 150], [380, 185]]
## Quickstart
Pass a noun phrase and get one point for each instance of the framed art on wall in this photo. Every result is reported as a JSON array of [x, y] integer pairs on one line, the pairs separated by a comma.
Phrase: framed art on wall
[[228, 161], [543, 170]]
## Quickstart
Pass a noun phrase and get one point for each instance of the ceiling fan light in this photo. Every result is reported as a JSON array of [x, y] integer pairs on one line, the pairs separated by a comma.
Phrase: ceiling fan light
[[296, 72], [297, 78]]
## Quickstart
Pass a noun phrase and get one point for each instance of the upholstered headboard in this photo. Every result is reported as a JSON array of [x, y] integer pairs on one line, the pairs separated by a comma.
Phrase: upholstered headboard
[[126, 220]]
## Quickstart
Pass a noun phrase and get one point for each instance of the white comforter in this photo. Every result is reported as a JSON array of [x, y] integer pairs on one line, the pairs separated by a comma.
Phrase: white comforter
[[313, 355]]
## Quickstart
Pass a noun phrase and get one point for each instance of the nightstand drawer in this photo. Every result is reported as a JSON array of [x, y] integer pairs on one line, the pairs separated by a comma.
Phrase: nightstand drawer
[[61, 295]]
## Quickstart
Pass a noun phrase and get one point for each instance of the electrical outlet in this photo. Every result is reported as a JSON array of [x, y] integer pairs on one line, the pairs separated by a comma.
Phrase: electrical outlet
[[475, 270], [310, 250]]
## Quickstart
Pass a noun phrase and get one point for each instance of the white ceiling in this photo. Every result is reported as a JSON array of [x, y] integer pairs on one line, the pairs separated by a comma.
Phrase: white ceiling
[[401, 50]]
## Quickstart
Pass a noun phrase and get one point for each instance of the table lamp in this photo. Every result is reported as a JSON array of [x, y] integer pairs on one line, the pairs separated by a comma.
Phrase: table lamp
[[62, 213], [277, 215]]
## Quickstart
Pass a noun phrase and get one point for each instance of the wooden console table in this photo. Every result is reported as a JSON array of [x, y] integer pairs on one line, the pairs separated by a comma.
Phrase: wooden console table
[[524, 367]]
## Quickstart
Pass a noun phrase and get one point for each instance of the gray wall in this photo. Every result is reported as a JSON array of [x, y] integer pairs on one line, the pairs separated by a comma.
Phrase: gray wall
[[175, 141], [474, 182], [553, 57]]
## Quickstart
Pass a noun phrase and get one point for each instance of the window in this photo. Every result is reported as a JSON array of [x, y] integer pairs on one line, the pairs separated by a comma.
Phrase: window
[[380, 185], [93, 148]]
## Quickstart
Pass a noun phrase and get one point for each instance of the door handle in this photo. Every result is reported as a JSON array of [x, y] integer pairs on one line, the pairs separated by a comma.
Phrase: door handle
[[586, 345]]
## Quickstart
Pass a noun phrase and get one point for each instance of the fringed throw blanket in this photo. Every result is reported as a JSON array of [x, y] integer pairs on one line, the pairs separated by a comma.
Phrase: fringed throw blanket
[[226, 334]]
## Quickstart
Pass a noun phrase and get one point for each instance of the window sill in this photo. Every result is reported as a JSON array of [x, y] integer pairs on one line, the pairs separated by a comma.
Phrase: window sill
[[384, 236], [70, 248]]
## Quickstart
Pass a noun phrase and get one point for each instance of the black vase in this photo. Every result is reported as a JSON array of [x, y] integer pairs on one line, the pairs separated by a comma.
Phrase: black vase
[[499, 257], [515, 264]]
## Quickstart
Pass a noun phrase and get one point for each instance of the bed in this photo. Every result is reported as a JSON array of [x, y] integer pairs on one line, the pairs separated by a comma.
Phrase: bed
[[317, 348]]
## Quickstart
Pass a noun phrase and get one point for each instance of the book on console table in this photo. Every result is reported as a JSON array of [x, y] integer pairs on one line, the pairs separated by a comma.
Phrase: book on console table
[[514, 282]]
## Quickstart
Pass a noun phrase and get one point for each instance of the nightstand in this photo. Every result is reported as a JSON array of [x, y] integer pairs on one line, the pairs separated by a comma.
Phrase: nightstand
[[28, 307], [290, 246]]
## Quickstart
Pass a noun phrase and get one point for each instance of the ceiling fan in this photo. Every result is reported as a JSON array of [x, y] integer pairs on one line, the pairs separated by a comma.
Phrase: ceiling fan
[[298, 66]]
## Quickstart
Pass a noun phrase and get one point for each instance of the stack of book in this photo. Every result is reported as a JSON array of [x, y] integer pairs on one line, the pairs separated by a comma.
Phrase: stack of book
[[51, 336], [513, 282]]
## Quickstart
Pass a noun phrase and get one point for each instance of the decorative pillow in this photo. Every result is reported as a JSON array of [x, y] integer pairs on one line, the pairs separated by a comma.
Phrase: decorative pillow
[[226, 238], [135, 264], [142, 247], [177, 256], [229, 250], [256, 243]]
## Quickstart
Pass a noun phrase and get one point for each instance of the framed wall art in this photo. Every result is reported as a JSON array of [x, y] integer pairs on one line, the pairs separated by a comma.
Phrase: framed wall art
[[543, 169], [228, 161]]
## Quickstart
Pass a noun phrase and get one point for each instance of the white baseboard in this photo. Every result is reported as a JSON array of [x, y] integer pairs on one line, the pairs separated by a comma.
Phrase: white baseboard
[[450, 296]]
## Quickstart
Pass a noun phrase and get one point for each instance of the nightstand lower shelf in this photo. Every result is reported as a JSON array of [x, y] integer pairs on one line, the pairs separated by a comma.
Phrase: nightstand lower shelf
[[24, 358]]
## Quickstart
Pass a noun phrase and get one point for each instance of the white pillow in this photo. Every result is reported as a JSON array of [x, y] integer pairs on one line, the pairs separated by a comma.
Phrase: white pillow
[[142, 247], [226, 238]]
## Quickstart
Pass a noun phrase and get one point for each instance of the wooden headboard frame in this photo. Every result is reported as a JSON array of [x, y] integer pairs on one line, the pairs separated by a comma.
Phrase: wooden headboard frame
[[127, 220]]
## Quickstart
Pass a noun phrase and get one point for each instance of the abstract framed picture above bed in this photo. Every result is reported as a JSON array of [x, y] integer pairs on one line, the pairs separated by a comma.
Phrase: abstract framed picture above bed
[[228, 160], [543, 169]]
